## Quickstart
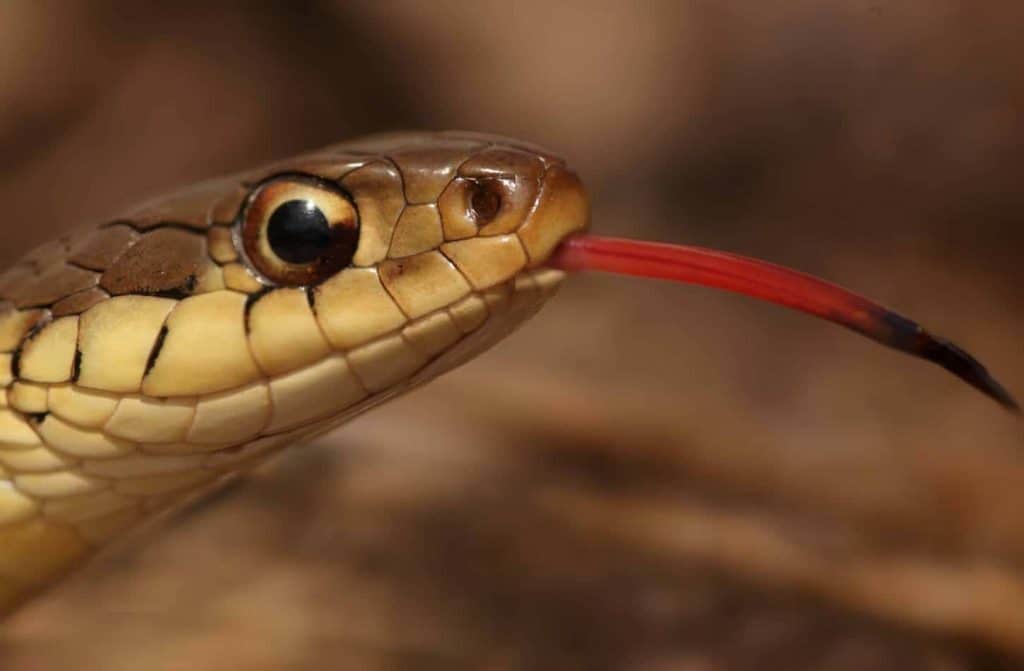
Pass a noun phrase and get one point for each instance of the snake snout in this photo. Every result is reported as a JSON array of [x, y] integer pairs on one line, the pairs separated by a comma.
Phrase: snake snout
[[563, 209]]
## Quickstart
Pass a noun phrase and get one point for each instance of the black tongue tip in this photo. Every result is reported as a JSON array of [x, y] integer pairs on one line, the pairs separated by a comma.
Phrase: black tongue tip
[[968, 369], [908, 336]]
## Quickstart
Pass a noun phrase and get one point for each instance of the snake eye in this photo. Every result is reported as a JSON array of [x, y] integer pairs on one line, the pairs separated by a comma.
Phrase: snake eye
[[299, 230], [485, 200]]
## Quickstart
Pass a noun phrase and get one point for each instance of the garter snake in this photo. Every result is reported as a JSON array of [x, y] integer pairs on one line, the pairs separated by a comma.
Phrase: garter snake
[[162, 352], [156, 355]]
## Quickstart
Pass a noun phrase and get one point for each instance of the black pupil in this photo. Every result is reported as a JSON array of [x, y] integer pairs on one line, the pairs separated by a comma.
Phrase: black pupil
[[298, 232]]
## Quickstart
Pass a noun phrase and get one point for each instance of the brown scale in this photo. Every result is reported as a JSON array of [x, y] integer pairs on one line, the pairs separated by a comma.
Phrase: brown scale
[[191, 208], [15, 281], [99, 250], [48, 254], [78, 303], [53, 284], [163, 261], [226, 207]]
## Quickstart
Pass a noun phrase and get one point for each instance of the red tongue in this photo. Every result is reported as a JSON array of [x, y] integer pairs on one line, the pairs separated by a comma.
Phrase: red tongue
[[696, 265]]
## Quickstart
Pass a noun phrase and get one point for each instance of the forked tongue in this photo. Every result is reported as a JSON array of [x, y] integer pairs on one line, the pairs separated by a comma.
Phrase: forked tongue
[[769, 282]]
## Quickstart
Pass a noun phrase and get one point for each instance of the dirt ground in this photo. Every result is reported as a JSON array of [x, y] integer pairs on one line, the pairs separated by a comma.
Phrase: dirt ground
[[646, 477]]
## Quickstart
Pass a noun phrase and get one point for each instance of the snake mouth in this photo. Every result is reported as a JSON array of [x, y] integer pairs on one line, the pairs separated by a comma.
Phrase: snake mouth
[[776, 284]]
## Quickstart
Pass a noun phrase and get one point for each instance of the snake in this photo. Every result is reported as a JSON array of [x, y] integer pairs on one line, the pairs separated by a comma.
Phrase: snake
[[157, 355]]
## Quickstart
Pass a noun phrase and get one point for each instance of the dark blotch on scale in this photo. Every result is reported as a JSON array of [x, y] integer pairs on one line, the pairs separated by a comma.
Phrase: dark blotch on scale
[[155, 351], [250, 301]]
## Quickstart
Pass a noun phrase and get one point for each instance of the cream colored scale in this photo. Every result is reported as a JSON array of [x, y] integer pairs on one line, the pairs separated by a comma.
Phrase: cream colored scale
[[151, 358]]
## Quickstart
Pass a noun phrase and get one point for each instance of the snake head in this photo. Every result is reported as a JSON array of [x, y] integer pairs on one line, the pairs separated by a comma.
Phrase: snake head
[[249, 309], [158, 354]]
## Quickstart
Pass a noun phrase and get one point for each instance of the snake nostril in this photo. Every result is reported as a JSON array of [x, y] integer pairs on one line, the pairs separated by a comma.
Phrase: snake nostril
[[485, 200]]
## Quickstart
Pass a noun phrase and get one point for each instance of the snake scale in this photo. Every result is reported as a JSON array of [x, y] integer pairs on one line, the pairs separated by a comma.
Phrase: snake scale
[[159, 354]]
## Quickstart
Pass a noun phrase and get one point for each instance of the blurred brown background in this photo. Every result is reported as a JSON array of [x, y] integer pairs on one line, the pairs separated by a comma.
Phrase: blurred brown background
[[646, 477]]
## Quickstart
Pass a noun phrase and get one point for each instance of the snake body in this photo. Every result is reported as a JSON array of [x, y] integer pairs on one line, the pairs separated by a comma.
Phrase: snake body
[[155, 356]]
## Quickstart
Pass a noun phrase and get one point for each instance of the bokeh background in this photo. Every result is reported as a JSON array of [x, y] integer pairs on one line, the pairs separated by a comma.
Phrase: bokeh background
[[645, 477]]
